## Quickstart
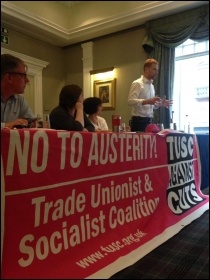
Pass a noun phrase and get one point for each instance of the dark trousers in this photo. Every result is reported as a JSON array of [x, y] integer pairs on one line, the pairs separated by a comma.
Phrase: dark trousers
[[140, 123]]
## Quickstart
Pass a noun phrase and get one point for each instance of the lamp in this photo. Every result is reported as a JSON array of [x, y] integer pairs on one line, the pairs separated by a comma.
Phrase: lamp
[[101, 70], [148, 44]]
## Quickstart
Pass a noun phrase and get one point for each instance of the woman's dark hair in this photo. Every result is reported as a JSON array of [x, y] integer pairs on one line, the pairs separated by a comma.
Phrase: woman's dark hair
[[91, 105], [69, 96]]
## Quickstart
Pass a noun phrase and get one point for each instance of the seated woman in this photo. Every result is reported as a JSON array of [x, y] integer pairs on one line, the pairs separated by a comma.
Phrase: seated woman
[[69, 114], [93, 108]]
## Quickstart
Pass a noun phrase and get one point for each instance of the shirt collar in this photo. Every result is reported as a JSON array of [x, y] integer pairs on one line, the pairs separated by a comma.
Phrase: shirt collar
[[149, 82], [11, 97]]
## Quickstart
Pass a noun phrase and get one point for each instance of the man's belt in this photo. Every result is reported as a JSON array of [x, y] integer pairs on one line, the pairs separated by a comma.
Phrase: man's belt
[[146, 119]]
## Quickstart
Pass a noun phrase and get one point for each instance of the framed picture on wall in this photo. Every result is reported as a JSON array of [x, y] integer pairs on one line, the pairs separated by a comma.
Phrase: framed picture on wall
[[106, 91]]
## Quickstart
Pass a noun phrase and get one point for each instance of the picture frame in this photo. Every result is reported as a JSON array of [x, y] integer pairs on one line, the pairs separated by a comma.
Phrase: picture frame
[[106, 91]]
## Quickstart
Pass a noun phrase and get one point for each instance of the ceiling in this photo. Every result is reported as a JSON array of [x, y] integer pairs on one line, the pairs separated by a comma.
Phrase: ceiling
[[63, 23], [69, 4]]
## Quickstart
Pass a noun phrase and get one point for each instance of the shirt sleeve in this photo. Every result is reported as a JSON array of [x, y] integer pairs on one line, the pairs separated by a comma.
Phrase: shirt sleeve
[[133, 97], [103, 124], [16, 107], [61, 119], [25, 111]]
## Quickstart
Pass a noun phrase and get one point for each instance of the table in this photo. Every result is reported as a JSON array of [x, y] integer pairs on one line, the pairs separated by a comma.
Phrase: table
[[87, 205], [203, 143]]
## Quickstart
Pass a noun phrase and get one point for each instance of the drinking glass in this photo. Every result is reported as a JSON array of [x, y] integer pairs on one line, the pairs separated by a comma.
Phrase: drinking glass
[[123, 127], [46, 121], [39, 121]]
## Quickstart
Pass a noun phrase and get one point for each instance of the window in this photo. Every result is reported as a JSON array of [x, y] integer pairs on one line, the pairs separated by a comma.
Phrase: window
[[191, 86]]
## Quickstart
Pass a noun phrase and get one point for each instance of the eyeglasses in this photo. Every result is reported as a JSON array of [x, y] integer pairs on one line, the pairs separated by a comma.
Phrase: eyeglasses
[[18, 73]]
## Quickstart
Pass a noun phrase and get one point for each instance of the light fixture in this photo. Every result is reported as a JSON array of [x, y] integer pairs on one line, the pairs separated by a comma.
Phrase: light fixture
[[108, 69]]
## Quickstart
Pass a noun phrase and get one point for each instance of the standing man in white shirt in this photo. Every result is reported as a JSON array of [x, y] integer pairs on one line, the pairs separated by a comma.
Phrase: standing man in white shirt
[[142, 97]]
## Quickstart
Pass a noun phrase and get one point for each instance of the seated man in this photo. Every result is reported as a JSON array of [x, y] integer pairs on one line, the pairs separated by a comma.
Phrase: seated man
[[14, 108]]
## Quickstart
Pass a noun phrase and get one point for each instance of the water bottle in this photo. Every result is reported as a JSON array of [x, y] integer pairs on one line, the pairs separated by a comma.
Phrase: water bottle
[[116, 123]]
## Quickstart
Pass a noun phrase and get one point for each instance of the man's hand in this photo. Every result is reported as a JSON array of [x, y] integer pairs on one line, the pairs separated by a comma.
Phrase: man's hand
[[17, 122], [164, 102], [152, 101]]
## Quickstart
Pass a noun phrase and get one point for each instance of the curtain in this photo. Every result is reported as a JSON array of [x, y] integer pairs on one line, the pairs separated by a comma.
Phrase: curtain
[[163, 36]]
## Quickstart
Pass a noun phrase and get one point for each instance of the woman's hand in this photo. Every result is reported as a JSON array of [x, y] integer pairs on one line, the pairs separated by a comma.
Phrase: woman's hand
[[79, 106]]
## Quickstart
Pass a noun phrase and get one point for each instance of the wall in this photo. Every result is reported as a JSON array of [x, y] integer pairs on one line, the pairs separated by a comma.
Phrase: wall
[[123, 50], [53, 74], [74, 65]]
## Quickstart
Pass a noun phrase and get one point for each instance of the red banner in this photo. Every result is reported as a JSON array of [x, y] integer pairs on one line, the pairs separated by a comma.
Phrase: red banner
[[86, 205]]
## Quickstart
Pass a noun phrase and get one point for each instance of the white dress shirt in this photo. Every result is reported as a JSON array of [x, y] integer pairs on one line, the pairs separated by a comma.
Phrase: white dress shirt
[[15, 107], [141, 89], [102, 125]]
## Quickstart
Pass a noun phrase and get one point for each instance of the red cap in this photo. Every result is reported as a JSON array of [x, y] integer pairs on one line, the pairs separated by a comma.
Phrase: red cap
[[152, 128]]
